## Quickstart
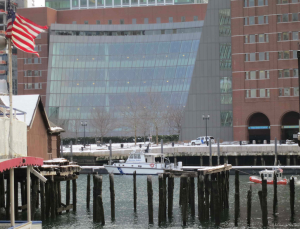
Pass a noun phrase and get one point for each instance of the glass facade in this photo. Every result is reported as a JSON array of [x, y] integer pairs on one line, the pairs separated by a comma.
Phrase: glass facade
[[224, 23], [87, 76], [225, 56], [88, 4]]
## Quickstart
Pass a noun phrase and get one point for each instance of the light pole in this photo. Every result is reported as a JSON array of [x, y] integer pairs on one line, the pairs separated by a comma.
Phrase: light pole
[[205, 118], [84, 124], [298, 56]]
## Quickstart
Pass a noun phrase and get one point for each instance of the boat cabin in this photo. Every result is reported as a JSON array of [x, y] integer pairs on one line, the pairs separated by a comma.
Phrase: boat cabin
[[268, 174], [140, 157]]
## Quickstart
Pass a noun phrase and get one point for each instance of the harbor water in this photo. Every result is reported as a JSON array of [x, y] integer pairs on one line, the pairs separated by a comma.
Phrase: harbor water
[[126, 218]]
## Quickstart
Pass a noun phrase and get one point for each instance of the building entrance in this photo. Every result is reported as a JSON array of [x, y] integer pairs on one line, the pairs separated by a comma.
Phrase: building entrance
[[259, 128], [289, 125]]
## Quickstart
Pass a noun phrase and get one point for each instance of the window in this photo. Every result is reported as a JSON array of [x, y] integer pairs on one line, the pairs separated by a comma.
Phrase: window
[[295, 35], [279, 35], [86, 22], [262, 56], [39, 36], [296, 91], [246, 21], [74, 22], [133, 20], [251, 20], [37, 86], [262, 93], [109, 22], [170, 19], [183, 19], [253, 75], [261, 20], [146, 20], [285, 36], [224, 23], [225, 85], [295, 72], [252, 57], [245, 3], [251, 3], [284, 55], [284, 73], [285, 17], [261, 37], [253, 93], [284, 92], [158, 20], [98, 22], [262, 2], [246, 57], [121, 21], [246, 38], [195, 18], [295, 17], [226, 118], [262, 74], [295, 1], [38, 48], [278, 18], [252, 38]]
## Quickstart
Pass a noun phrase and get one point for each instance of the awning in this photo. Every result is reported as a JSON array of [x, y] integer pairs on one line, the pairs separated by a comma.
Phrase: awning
[[6, 164]]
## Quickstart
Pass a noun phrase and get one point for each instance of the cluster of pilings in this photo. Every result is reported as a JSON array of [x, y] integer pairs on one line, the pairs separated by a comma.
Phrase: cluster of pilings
[[46, 196]]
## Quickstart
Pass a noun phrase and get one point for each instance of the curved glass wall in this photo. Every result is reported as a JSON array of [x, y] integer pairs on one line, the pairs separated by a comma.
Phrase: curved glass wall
[[87, 76]]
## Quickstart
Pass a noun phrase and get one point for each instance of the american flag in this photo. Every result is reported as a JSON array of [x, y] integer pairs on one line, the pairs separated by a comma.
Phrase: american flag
[[22, 31]]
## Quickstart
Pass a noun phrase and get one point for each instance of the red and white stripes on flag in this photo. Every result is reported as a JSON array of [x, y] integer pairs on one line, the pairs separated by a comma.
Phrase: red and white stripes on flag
[[23, 32]]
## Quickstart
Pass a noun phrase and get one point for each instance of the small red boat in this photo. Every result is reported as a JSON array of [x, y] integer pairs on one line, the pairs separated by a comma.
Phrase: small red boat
[[268, 175]]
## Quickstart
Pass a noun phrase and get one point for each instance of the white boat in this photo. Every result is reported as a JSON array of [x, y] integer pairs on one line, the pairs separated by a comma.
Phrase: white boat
[[268, 175], [143, 163]]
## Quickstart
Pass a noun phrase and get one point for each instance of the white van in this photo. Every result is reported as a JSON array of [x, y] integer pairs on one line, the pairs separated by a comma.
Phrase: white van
[[201, 140]]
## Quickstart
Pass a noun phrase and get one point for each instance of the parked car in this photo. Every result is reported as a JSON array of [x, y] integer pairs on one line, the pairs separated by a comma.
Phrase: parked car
[[201, 140]]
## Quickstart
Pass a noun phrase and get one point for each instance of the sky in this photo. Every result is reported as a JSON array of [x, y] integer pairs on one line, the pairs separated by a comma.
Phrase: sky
[[37, 3]]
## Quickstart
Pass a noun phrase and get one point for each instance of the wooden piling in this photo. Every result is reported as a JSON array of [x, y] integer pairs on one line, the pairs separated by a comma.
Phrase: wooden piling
[[201, 210], [134, 191], [236, 198], [212, 213], [249, 199], [59, 196], [47, 195], [38, 196], [201, 160], [68, 194], [34, 186], [101, 209], [170, 195], [112, 195], [52, 200], [150, 199], [275, 200], [227, 190], [161, 200], [192, 195], [2, 191], [42, 193], [88, 191], [207, 188], [184, 201], [263, 202], [74, 186], [165, 197], [292, 196], [215, 193], [180, 191]]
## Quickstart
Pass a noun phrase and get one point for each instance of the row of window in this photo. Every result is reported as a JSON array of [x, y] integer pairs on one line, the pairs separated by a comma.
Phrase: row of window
[[265, 93], [284, 73], [256, 20], [30, 86], [253, 38], [128, 33], [287, 1], [286, 36], [257, 56], [146, 20], [32, 73], [293, 91], [288, 17], [33, 61], [38, 48], [251, 3], [260, 56]]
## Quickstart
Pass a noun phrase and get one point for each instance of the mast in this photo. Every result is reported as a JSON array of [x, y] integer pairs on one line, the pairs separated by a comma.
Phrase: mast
[[10, 98]]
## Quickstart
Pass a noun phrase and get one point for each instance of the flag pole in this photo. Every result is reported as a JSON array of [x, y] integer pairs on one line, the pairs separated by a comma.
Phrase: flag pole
[[10, 99]]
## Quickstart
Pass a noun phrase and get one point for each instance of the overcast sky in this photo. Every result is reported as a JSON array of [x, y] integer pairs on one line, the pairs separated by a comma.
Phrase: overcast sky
[[37, 3]]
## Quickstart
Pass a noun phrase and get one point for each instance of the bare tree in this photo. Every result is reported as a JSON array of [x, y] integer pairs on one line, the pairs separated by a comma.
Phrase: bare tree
[[156, 106], [103, 121], [174, 117], [74, 127], [131, 113], [145, 119]]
